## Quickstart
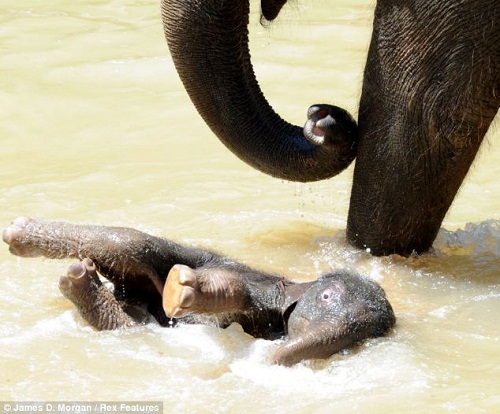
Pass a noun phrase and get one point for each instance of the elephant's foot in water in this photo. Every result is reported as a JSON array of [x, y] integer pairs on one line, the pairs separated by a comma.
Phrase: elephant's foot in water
[[206, 291], [96, 303]]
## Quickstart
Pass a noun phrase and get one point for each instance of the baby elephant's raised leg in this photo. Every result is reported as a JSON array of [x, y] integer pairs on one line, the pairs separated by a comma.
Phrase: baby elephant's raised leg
[[208, 291], [132, 260], [135, 262], [95, 303], [32, 237], [226, 294]]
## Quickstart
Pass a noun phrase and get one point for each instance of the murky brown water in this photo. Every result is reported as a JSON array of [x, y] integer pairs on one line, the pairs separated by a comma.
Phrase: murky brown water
[[96, 128]]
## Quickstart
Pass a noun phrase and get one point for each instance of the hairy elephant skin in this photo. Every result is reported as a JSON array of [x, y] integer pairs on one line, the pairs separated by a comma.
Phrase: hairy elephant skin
[[198, 286], [430, 91]]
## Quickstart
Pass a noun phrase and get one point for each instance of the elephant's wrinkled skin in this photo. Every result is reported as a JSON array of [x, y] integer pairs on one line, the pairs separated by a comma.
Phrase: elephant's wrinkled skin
[[430, 91], [170, 280]]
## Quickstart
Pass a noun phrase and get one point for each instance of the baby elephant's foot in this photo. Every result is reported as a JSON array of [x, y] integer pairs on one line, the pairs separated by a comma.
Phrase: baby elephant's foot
[[80, 281], [95, 303], [201, 291], [21, 235], [180, 291], [330, 125]]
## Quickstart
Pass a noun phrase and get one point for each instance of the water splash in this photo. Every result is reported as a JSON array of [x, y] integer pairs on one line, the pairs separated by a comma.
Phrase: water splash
[[474, 239]]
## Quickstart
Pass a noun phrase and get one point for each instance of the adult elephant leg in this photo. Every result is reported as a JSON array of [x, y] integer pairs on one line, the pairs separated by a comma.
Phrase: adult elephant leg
[[208, 41], [431, 89]]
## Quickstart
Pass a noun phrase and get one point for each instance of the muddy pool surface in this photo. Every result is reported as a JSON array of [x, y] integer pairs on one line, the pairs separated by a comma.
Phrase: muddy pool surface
[[96, 128]]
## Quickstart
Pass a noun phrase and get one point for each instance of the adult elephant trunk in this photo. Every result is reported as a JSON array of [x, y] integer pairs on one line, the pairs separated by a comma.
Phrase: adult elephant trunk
[[208, 41]]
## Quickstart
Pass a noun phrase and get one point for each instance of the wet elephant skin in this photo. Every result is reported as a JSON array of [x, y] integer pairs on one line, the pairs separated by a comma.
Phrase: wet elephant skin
[[198, 286]]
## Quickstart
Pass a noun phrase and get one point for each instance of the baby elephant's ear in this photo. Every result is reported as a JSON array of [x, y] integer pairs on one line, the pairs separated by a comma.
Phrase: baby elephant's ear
[[292, 294]]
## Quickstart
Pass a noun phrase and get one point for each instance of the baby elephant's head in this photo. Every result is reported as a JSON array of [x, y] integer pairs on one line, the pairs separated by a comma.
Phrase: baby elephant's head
[[339, 310]]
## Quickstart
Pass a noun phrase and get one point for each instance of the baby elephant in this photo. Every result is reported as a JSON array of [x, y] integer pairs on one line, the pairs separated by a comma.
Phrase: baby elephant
[[174, 282]]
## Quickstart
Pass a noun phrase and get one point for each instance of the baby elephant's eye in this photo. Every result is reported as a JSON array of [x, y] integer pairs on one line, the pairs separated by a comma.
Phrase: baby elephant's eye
[[332, 292], [327, 295]]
